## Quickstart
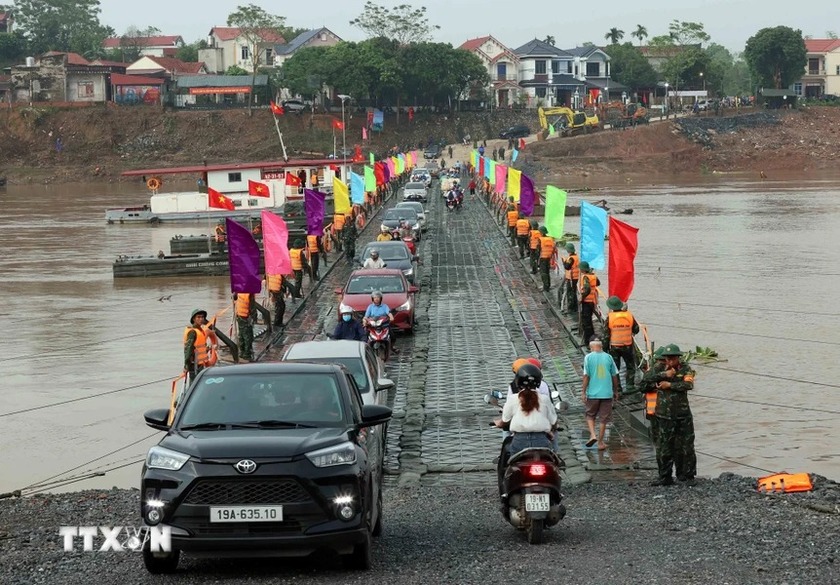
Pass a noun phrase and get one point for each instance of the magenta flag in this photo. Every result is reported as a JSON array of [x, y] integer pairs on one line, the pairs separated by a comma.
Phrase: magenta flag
[[243, 259], [391, 166], [501, 178], [364, 133], [386, 172], [527, 195], [314, 203], [624, 240], [275, 244]]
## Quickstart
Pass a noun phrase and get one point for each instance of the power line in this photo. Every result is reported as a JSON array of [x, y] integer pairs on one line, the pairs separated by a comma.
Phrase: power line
[[726, 399], [762, 309], [742, 334], [83, 477], [771, 376]]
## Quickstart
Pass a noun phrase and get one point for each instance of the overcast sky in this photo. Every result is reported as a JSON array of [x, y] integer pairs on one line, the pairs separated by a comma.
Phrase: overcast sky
[[513, 22]]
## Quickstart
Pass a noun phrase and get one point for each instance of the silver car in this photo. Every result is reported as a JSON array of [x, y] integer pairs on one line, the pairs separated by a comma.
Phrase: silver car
[[415, 192], [418, 209]]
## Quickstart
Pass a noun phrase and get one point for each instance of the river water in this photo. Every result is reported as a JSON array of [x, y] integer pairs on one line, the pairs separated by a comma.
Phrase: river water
[[749, 269]]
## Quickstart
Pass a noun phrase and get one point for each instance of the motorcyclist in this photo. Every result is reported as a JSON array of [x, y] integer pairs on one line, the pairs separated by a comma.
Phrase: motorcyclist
[[384, 234], [349, 328], [530, 416], [405, 230], [450, 197], [374, 261], [378, 309]]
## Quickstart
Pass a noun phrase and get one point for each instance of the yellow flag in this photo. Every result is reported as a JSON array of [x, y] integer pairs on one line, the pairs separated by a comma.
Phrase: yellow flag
[[409, 161], [342, 196], [514, 181]]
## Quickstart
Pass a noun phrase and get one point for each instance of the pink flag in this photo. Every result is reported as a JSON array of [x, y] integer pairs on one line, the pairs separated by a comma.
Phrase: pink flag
[[501, 178], [392, 167], [276, 244], [364, 133]]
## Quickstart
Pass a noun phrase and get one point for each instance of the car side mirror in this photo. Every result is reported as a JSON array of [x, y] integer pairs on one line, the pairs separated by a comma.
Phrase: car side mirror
[[384, 384], [375, 414], [413, 289], [338, 290], [158, 419]]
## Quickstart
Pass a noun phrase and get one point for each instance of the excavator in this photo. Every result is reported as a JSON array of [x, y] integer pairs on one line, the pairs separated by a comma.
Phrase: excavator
[[568, 122], [620, 115]]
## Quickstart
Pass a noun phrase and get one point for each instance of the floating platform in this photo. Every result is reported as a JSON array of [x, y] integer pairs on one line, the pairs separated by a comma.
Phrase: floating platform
[[174, 265], [205, 244]]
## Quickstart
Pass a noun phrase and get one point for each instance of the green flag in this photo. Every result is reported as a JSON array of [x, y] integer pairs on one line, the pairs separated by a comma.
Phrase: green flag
[[372, 161], [370, 179], [551, 130], [555, 211]]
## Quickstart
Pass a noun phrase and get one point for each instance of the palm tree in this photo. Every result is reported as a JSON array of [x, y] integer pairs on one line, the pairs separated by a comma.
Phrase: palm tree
[[640, 33], [614, 35], [549, 39]]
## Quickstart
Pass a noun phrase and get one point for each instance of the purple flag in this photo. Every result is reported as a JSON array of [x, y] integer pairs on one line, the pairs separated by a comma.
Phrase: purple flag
[[526, 195], [243, 258], [386, 170], [314, 202]]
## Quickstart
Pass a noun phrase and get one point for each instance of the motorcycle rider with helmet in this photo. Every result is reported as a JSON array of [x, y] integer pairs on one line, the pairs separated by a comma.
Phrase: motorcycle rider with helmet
[[376, 310], [530, 416]]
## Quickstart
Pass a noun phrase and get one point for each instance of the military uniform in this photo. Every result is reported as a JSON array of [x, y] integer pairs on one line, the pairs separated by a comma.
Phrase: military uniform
[[675, 444], [349, 235], [571, 264], [534, 246], [546, 251], [245, 314], [648, 387], [588, 301], [523, 226]]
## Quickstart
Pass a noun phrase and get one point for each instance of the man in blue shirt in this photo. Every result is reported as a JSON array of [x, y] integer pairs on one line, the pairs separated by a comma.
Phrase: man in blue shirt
[[379, 309], [600, 388]]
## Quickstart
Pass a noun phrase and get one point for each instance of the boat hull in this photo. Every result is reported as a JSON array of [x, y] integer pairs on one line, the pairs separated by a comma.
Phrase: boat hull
[[176, 265], [206, 244]]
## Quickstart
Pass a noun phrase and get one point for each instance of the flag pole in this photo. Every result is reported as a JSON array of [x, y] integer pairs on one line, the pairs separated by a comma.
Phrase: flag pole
[[280, 136]]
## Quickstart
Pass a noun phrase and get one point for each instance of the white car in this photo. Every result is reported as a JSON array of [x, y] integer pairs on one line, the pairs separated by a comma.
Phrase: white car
[[418, 208], [415, 192]]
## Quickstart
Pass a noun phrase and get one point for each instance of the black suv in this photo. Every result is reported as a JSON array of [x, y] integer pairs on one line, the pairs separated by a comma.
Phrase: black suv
[[432, 152], [520, 131], [273, 459]]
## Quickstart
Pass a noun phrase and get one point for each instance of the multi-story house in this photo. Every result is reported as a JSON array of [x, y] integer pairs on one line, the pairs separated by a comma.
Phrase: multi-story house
[[227, 46], [503, 66], [822, 71], [6, 22], [318, 37], [546, 75], [158, 46], [592, 66]]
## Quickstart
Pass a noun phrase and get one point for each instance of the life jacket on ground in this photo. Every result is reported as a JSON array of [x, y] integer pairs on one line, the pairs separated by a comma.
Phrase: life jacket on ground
[[574, 272], [296, 255], [592, 297], [785, 483], [546, 247], [535, 239], [205, 356], [512, 217], [275, 282], [243, 305], [312, 244], [523, 226], [620, 324]]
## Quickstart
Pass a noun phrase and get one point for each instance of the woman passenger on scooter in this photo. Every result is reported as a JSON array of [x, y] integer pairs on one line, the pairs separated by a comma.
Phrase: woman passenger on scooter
[[376, 310], [530, 415]]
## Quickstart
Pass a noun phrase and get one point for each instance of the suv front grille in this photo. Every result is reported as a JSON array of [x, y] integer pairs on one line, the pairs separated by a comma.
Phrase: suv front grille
[[235, 492]]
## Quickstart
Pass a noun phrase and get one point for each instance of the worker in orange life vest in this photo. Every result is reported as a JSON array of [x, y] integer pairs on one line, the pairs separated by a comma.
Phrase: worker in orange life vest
[[199, 344], [621, 326], [588, 300], [648, 387], [219, 236], [299, 264], [314, 247], [245, 314]]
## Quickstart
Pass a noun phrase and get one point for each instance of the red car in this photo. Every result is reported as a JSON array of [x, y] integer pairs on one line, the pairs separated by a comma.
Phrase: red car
[[397, 293]]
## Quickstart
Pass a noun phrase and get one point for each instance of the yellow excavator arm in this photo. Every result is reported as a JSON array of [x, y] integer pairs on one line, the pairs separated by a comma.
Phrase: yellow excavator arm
[[562, 111]]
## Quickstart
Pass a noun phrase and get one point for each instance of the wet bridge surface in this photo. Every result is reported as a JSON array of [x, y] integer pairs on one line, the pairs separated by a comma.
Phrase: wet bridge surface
[[478, 309]]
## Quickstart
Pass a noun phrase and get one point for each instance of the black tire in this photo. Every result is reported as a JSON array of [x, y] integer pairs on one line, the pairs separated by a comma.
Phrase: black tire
[[161, 563], [535, 532], [361, 559]]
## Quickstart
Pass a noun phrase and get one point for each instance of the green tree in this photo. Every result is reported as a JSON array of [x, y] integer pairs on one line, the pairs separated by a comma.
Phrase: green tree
[[640, 33], [303, 73], [629, 66], [189, 53], [687, 33], [684, 69], [614, 35], [737, 80], [830, 34], [258, 28], [404, 23], [235, 70], [661, 41], [550, 40], [61, 25], [12, 48], [776, 56]]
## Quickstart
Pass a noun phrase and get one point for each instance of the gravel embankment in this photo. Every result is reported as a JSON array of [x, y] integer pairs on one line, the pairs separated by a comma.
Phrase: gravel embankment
[[721, 531]]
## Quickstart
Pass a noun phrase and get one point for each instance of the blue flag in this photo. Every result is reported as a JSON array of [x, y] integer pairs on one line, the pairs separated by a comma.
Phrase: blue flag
[[593, 228], [357, 188], [487, 167], [514, 156]]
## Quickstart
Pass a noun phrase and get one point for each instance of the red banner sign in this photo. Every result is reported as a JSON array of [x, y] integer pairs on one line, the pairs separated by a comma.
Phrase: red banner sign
[[209, 90]]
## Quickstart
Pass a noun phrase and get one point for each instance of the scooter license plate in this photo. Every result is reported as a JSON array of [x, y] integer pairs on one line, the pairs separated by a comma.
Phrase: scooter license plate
[[537, 503]]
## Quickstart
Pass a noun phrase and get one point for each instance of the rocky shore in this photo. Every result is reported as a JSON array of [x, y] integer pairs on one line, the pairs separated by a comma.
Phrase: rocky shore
[[721, 531]]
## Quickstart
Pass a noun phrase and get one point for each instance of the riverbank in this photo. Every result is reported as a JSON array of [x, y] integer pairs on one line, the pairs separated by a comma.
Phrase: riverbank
[[721, 531]]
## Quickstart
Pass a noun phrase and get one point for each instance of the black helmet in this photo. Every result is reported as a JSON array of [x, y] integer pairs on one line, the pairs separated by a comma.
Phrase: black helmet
[[528, 377]]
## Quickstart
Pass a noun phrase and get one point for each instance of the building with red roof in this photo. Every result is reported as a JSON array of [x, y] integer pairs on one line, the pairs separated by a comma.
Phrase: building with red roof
[[60, 77], [155, 46], [502, 64], [229, 47], [168, 67], [6, 21], [822, 70]]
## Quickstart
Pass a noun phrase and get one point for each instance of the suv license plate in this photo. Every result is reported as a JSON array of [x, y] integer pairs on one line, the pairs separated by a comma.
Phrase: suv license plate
[[247, 514], [537, 503]]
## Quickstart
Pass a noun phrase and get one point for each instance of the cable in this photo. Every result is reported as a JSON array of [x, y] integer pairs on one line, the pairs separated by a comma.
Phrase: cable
[[763, 310], [771, 376], [5, 414], [742, 334], [766, 403], [82, 478], [718, 457]]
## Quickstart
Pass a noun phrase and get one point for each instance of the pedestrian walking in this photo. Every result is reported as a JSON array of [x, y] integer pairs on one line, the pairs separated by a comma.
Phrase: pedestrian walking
[[523, 226], [350, 234], [199, 344], [572, 275], [245, 315], [534, 236], [495, 154], [481, 151], [676, 424], [621, 326], [450, 151], [589, 283], [277, 289], [546, 252], [502, 153], [600, 387]]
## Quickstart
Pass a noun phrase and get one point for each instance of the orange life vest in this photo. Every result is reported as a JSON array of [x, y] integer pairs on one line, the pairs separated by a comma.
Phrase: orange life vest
[[592, 297], [535, 239], [574, 272], [546, 247], [650, 404], [513, 217], [312, 244], [243, 305], [338, 221], [296, 254], [204, 355], [785, 483], [620, 324], [313, 178], [275, 282], [523, 226], [220, 234]]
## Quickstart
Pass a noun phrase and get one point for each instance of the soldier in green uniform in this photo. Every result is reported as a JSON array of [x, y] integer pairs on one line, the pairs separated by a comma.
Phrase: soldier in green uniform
[[675, 445], [349, 235], [648, 387]]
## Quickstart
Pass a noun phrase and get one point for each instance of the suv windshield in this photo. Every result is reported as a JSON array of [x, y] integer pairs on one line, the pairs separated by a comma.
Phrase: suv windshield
[[231, 398], [354, 365], [415, 186], [367, 284], [402, 212]]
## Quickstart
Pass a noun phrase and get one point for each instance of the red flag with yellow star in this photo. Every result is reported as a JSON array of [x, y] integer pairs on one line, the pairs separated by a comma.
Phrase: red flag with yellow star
[[258, 189], [219, 201]]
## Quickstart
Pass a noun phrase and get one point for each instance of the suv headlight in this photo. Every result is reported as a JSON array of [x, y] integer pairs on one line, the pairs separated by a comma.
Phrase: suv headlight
[[406, 306], [408, 271], [341, 454], [161, 458]]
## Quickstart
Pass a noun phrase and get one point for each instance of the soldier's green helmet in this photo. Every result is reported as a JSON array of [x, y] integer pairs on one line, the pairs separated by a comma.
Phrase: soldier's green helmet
[[570, 248], [298, 243], [521, 215], [615, 303], [584, 266], [197, 312], [534, 224], [543, 230], [657, 355], [671, 350]]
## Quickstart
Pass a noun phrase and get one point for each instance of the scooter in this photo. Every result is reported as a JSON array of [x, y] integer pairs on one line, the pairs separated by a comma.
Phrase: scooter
[[411, 246], [451, 204], [379, 336]]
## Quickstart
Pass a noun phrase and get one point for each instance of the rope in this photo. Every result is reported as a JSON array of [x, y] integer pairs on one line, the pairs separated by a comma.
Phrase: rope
[[719, 458], [763, 310], [766, 403], [771, 376], [743, 334]]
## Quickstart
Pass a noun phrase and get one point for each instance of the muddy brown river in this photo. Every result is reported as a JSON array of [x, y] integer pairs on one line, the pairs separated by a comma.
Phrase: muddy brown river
[[749, 269]]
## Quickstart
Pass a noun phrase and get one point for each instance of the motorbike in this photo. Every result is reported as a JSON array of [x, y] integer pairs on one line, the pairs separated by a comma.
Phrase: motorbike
[[451, 204], [529, 484], [411, 245], [459, 200], [379, 336]]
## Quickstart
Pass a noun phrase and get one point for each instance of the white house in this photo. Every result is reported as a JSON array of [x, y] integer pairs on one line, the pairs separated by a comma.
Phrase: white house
[[546, 75], [317, 37], [503, 66], [158, 46], [592, 66], [227, 46]]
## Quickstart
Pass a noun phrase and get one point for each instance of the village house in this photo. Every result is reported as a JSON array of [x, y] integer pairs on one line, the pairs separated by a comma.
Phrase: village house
[[317, 37], [6, 22], [592, 66], [546, 75], [822, 71], [219, 90], [227, 46], [503, 66], [60, 77], [158, 46], [168, 67]]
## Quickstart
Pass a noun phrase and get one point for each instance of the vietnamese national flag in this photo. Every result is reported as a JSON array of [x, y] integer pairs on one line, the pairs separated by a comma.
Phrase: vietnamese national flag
[[623, 245], [292, 179], [217, 200], [275, 109], [338, 124], [258, 189]]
